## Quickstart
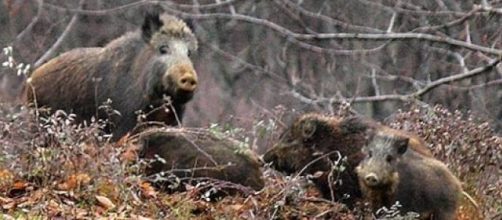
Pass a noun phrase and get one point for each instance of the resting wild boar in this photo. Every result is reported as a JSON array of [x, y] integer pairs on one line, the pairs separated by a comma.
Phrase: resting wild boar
[[391, 172], [135, 71], [311, 144], [195, 154]]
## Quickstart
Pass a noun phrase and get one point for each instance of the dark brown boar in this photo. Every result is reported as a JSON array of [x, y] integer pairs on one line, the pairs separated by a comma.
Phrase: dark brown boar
[[135, 71], [311, 144], [195, 154], [391, 172]]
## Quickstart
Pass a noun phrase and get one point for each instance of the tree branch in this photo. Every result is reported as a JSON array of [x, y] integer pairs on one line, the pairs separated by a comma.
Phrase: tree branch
[[414, 12], [403, 36], [33, 21], [331, 20], [121, 8], [397, 97], [60, 40], [451, 23], [358, 36], [298, 38], [244, 63], [456, 77]]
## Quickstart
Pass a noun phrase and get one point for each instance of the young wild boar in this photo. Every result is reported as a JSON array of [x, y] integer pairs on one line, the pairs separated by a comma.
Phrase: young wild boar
[[193, 154], [391, 172], [311, 144], [135, 71]]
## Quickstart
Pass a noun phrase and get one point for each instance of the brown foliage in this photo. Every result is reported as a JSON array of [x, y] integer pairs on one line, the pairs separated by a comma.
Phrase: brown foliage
[[42, 153], [470, 148]]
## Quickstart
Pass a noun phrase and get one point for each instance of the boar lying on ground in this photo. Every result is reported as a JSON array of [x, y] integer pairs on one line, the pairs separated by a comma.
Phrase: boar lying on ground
[[311, 144], [391, 172], [136, 72], [195, 155]]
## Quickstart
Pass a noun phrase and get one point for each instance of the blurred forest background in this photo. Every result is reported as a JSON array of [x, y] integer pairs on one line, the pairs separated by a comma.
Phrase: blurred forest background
[[257, 58]]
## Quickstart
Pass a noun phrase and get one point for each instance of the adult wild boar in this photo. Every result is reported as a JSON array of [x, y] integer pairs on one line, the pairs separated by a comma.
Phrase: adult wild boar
[[135, 71], [195, 155], [391, 172], [316, 143]]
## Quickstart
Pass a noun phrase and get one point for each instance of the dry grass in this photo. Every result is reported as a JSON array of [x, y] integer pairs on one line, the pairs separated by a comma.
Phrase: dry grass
[[53, 168]]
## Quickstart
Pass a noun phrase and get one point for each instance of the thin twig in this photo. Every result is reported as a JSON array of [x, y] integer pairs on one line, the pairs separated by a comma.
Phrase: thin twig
[[33, 21], [456, 77], [413, 12], [299, 38], [50, 52], [244, 63], [122, 8], [396, 97], [402, 36], [449, 24], [331, 20]]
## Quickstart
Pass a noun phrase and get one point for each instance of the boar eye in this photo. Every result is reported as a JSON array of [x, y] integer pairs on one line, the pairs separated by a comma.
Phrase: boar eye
[[389, 158], [164, 49], [370, 153], [308, 130], [189, 53]]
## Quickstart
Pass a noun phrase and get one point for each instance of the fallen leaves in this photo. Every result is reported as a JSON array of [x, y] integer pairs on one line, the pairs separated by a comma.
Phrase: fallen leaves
[[147, 190], [75, 181], [139, 217], [130, 150], [102, 180], [108, 188], [130, 154], [6, 178], [7, 203], [12, 187], [105, 202], [24, 201]]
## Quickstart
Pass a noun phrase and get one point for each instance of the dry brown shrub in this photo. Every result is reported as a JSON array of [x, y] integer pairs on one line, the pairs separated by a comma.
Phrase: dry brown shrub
[[470, 148]]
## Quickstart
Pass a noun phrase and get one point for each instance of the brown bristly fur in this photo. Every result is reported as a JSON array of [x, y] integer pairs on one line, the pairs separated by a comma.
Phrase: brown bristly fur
[[420, 183], [132, 71], [347, 135], [199, 150]]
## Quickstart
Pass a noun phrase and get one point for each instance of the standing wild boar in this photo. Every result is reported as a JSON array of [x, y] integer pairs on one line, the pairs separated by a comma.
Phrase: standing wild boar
[[390, 172], [195, 154], [135, 71], [312, 143]]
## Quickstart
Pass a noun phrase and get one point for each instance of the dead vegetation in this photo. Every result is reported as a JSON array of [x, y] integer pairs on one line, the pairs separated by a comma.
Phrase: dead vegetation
[[52, 168]]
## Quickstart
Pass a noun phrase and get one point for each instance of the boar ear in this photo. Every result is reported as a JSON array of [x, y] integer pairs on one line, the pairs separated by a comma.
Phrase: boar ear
[[151, 24], [355, 124], [308, 129], [190, 23], [401, 145]]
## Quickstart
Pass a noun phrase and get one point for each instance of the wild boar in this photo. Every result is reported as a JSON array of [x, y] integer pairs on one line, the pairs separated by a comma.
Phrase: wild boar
[[314, 144], [392, 172], [135, 71], [195, 154]]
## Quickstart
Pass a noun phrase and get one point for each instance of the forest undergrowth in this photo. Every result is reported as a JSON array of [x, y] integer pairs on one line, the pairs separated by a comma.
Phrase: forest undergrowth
[[50, 167]]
